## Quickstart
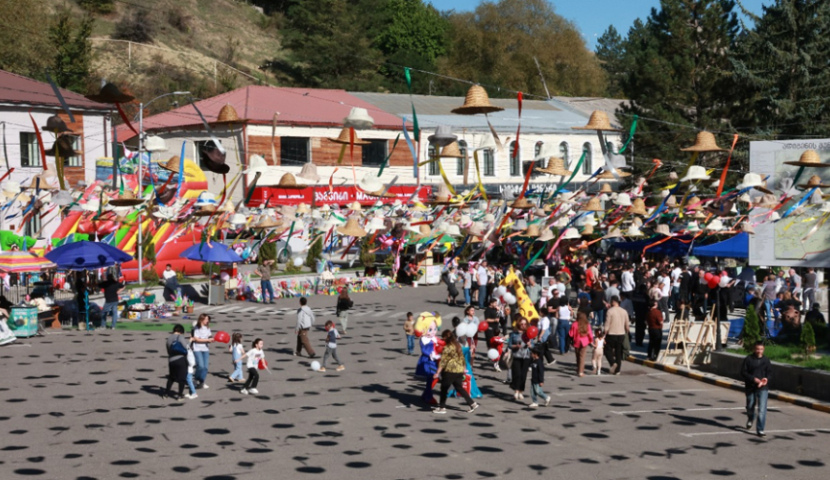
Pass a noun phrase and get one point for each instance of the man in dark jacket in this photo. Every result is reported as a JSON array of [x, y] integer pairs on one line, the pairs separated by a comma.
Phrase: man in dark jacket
[[654, 321], [757, 372]]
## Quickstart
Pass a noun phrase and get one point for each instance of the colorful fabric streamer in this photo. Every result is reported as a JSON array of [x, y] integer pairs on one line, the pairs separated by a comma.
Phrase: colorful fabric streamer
[[630, 135], [726, 168], [416, 130], [799, 203], [60, 97], [181, 170], [412, 149]]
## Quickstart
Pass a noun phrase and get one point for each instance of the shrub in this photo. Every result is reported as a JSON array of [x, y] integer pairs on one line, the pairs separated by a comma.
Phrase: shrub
[[752, 328], [178, 18], [150, 276], [206, 268], [136, 26], [98, 6], [367, 258], [267, 251], [290, 268], [808, 337], [315, 250]]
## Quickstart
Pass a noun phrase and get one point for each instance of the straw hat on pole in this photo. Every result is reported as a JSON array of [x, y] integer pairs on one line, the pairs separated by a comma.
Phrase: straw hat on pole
[[352, 228], [556, 166], [704, 142], [477, 101], [345, 138], [598, 121], [810, 159]]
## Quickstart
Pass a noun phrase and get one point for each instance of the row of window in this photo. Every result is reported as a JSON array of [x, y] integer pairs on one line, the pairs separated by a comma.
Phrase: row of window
[[30, 153]]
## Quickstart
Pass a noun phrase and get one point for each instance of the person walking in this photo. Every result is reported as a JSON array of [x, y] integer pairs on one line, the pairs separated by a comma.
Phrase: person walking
[[264, 272], [483, 278], [534, 290], [654, 320], [810, 287], [305, 320], [450, 277], [254, 356], [582, 337], [598, 305], [176, 361], [202, 338], [451, 370], [617, 327], [520, 347], [756, 371], [331, 347], [468, 285], [344, 304], [537, 379], [112, 289], [565, 314]]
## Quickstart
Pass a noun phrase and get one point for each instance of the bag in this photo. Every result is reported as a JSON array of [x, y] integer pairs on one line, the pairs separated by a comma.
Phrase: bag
[[178, 348], [507, 358]]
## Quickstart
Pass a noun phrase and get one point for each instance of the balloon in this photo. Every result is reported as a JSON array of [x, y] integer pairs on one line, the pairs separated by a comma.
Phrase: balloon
[[532, 332], [262, 365], [483, 326], [439, 349], [509, 298], [708, 276], [298, 262], [500, 291], [525, 338], [418, 333], [492, 354], [315, 365], [713, 283], [222, 337], [461, 330]]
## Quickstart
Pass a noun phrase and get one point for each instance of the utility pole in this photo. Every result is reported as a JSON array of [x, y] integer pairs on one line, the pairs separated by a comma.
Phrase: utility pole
[[538, 67]]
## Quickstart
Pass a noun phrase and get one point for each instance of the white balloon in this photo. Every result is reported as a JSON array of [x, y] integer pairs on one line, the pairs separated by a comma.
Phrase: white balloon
[[502, 290], [492, 354], [509, 298], [472, 329], [298, 262], [461, 330], [315, 365]]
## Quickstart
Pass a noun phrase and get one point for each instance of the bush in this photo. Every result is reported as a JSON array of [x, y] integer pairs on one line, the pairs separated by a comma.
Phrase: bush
[[149, 253], [290, 268], [367, 258], [178, 18], [206, 268], [267, 251], [752, 328], [150, 276], [808, 337], [136, 26], [315, 251], [98, 6]]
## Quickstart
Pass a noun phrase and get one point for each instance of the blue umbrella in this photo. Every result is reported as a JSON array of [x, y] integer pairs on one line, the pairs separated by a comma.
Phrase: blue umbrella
[[215, 253], [86, 255]]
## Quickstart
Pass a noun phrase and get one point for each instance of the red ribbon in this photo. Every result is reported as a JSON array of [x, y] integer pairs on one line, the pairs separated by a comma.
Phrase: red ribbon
[[726, 168], [39, 142], [6, 174], [126, 120]]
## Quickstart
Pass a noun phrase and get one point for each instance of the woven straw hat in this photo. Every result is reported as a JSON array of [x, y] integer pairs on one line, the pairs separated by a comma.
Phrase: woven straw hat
[[598, 121], [593, 205], [344, 138], [638, 207], [352, 228], [267, 222], [477, 101], [699, 215], [767, 201], [809, 158], [451, 151], [556, 166], [532, 231], [588, 230], [443, 196], [615, 232], [671, 201], [814, 182], [55, 124], [303, 208], [663, 229], [693, 202], [606, 188], [309, 172], [111, 94], [522, 204], [127, 200], [227, 114], [171, 165], [704, 142], [607, 175], [288, 181], [41, 181]]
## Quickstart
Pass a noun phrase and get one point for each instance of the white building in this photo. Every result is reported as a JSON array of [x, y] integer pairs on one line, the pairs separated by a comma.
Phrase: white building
[[23, 99]]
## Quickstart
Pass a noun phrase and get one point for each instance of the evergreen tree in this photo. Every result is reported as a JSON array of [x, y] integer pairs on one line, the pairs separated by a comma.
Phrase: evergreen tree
[[315, 251], [808, 338], [752, 328], [781, 70], [678, 72], [611, 54], [70, 38]]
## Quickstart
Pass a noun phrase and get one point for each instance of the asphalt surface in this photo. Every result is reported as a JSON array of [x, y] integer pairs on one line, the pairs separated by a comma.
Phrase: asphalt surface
[[79, 405]]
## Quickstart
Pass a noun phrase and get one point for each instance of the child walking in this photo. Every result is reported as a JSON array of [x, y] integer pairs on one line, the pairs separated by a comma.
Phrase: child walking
[[191, 370], [409, 330], [537, 378], [237, 350], [331, 347], [497, 343], [599, 346], [254, 355]]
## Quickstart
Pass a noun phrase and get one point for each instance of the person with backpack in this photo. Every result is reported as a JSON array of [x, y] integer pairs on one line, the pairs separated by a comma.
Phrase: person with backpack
[[176, 361]]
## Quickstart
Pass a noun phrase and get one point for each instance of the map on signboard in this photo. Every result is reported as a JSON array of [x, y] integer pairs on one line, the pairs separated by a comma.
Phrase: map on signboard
[[790, 232]]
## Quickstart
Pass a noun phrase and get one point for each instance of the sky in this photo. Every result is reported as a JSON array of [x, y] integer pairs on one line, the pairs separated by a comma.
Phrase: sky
[[594, 16]]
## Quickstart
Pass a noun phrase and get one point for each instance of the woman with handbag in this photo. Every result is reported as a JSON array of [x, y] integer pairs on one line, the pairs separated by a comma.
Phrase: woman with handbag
[[176, 361], [344, 304], [520, 348]]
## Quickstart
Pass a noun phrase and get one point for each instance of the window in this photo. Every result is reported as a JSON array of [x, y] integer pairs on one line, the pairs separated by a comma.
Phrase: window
[[29, 151], [432, 152], [459, 169], [294, 151], [536, 152], [32, 227], [563, 152], [76, 160], [489, 163], [515, 154], [374, 153], [202, 147], [586, 165]]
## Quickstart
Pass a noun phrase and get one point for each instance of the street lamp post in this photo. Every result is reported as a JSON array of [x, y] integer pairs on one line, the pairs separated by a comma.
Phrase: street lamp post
[[140, 172]]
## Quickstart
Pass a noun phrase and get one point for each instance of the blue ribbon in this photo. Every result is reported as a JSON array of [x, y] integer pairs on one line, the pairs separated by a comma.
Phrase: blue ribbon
[[181, 170], [411, 149], [799, 203]]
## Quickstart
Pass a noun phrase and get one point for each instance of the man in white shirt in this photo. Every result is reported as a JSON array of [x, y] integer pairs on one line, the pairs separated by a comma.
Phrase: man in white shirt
[[665, 291], [628, 280], [481, 273], [675, 287], [168, 272]]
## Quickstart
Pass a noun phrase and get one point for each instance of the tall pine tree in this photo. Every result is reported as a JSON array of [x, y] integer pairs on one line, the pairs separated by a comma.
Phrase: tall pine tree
[[781, 70], [611, 54], [679, 72]]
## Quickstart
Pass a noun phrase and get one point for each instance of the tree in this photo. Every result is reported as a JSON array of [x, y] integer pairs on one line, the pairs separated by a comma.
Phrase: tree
[[611, 54], [679, 72], [71, 61], [98, 6], [781, 70], [808, 338], [23, 50], [315, 251], [267, 251], [367, 257], [752, 328], [497, 44]]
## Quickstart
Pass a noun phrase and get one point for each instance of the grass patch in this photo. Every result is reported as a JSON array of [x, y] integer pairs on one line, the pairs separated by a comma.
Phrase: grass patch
[[785, 348], [145, 326]]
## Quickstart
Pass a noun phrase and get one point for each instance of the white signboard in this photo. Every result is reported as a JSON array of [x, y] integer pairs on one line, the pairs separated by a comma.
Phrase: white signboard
[[785, 243]]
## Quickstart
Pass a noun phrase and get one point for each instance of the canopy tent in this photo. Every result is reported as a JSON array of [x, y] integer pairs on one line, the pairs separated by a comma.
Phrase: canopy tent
[[673, 248], [735, 247], [22, 262]]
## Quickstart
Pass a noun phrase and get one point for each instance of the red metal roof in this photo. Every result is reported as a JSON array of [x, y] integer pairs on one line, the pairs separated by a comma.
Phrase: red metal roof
[[23, 90], [258, 103]]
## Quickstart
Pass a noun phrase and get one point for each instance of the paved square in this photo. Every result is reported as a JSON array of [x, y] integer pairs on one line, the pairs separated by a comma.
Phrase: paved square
[[80, 406]]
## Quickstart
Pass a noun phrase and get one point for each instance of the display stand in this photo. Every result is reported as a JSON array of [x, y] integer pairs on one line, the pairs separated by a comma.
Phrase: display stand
[[676, 346], [705, 342]]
